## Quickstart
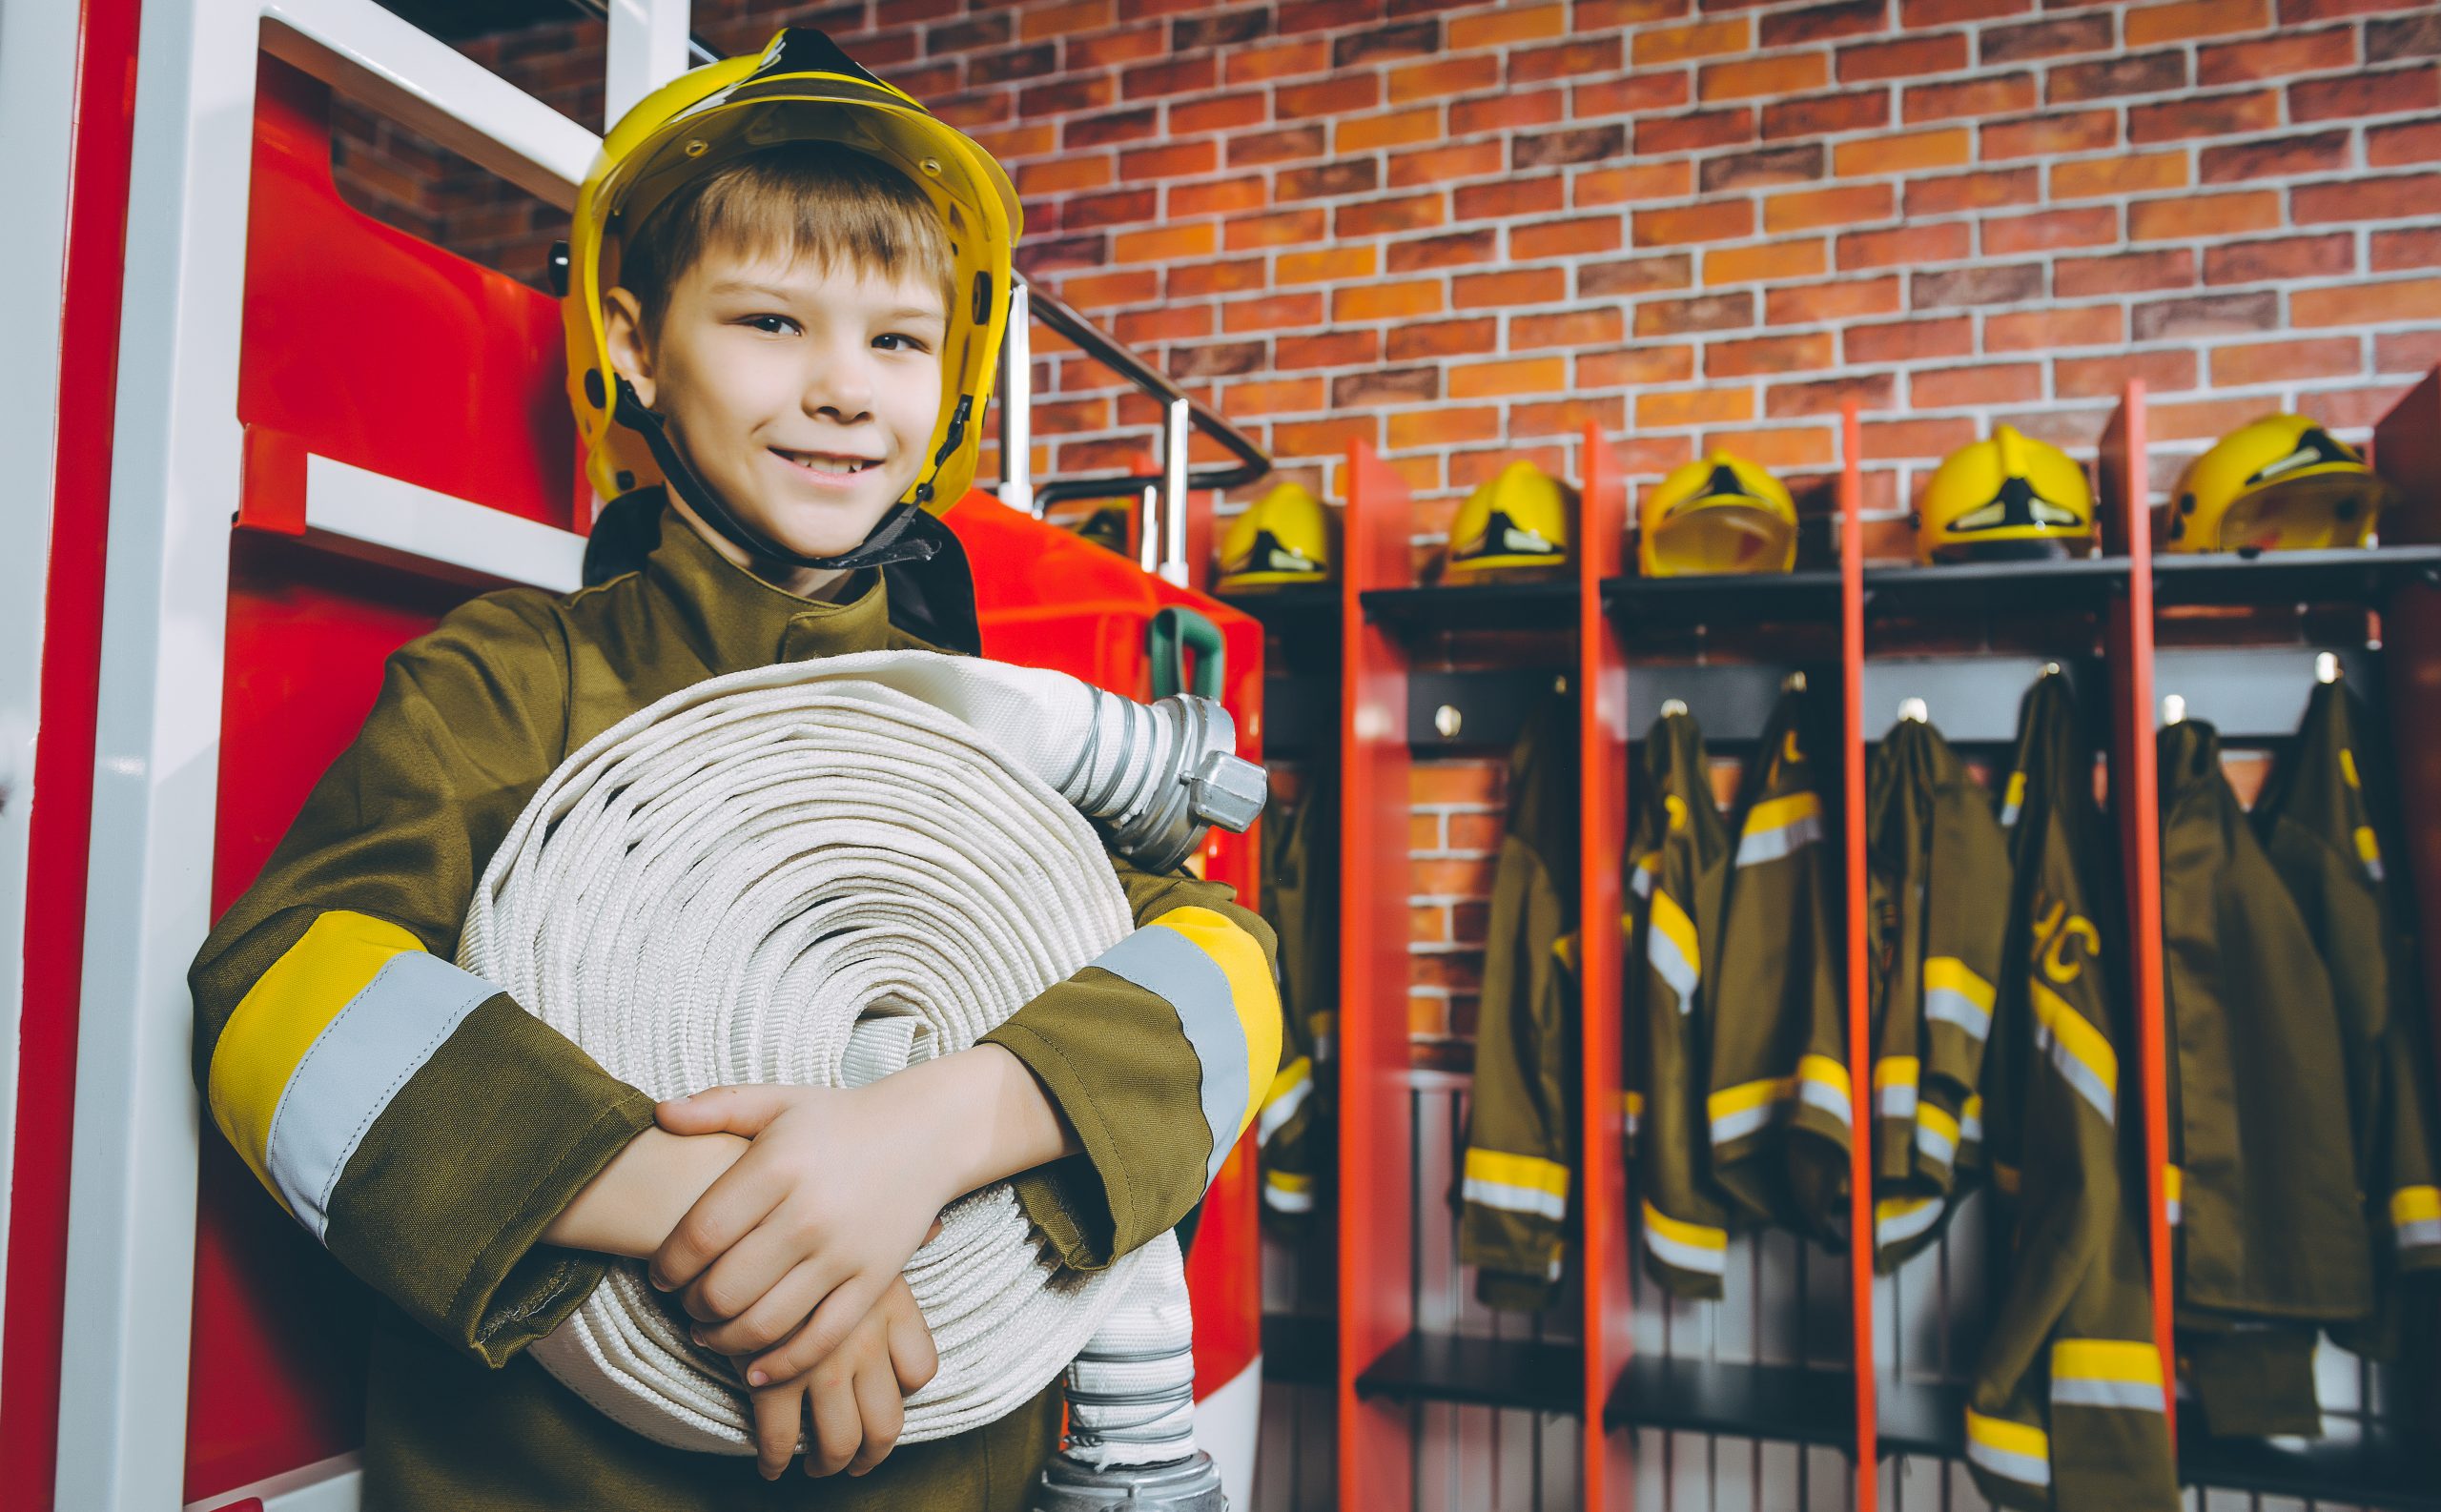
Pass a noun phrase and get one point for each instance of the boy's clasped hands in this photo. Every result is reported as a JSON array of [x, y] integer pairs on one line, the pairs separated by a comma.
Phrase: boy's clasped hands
[[790, 1259]]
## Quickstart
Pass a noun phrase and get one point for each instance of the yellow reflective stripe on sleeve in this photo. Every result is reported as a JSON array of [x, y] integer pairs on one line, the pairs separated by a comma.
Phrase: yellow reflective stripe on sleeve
[[1672, 949], [1687, 1246], [1955, 996], [2348, 767], [1936, 1133], [2173, 1188], [1970, 1121], [2081, 1052], [1822, 1082], [1289, 1093], [2415, 1216], [1215, 978], [2010, 1450], [1565, 949], [1898, 1220], [280, 1017], [1648, 867], [1894, 1085], [1779, 826], [1632, 1108], [2369, 850], [1736, 1112], [2106, 1373], [1288, 1192], [1319, 1028], [2013, 799], [1516, 1184]]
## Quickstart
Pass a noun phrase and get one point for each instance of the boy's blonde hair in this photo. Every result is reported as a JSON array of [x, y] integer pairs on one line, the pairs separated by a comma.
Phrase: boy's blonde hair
[[843, 207]]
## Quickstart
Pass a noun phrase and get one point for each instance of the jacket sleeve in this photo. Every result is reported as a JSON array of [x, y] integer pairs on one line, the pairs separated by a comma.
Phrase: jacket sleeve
[[1158, 1053], [1513, 1184], [417, 1122]]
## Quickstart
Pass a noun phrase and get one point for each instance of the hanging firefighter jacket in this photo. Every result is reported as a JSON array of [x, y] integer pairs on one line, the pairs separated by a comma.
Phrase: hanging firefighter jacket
[[1679, 849], [2067, 1408], [1937, 887], [1514, 1183], [2323, 818], [1779, 1104], [2271, 1239], [1298, 898]]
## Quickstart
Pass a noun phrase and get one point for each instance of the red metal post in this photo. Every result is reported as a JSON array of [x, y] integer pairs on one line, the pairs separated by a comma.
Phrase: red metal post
[[1851, 771], [1376, 1287], [2127, 495], [1602, 737]]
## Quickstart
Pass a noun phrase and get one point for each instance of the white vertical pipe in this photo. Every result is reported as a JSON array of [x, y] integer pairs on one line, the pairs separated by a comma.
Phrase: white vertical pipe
[[1016, 402], [1177, 425], [647, 49]]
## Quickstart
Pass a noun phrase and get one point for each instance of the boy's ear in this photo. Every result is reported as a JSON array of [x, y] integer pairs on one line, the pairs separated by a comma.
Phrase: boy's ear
[[622, 331]]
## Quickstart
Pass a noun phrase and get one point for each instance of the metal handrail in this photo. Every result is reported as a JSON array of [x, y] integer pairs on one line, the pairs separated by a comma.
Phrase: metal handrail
[[1164, 527]]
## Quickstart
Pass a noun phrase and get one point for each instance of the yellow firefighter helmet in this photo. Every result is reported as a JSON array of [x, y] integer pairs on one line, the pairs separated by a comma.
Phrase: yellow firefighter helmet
[[1716, 513], [1514, 522], [2008, 497], [2278, 483], [800, 88], [1284, 537]]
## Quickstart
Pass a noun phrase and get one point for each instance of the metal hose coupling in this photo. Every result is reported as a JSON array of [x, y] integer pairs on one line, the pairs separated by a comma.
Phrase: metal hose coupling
[[1154, 776], [1182, 1485]]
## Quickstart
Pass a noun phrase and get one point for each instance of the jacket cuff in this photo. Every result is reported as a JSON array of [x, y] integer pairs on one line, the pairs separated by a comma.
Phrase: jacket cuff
[[444, 1203]]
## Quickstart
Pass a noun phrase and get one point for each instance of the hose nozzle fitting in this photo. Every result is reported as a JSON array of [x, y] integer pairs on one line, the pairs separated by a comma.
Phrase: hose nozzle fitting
[[1157, 775]]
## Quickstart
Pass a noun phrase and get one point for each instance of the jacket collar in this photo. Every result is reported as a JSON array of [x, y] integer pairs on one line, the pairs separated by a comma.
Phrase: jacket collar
[[736, 620]]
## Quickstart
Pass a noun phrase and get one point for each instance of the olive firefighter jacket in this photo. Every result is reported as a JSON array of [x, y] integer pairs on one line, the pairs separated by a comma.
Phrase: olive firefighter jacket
[[1777, 1098], [2272, 1241], [1937, 883], [426, 1130], [1513, 1186], [2326, 819], [2066, 1410], [1678, 848], [1299, 900]]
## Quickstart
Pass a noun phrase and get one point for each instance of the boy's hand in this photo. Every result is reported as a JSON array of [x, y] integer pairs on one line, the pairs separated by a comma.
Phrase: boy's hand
[[850, 1405], [797, 1240]]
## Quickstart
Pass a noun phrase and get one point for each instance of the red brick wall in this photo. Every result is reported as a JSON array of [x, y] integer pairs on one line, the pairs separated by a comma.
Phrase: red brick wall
[[1461, 232]]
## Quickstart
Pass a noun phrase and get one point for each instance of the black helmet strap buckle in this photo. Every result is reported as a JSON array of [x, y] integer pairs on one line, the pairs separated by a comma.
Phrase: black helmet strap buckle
[[888, 543]]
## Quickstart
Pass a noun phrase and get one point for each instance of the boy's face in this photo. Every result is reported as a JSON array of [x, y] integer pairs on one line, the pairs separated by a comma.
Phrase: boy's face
[[805, 396]]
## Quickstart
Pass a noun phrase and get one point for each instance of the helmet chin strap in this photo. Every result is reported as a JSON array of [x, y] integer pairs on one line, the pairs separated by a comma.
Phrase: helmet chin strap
[[881, 548]]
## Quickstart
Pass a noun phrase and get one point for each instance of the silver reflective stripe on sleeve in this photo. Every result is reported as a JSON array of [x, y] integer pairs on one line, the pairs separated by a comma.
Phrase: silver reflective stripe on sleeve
[[1171, 967], [382, 1037]]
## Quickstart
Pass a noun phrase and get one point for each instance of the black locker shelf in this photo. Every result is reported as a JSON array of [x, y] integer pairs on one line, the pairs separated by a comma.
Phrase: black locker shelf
[[1996, 588], [2346, 576], [1509, 604], [1524, 1374], [1306, 616], [1781, 1403], [1725, 598]]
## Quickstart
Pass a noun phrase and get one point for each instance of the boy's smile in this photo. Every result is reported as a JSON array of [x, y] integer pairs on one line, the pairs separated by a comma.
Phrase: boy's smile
[[805, 395]]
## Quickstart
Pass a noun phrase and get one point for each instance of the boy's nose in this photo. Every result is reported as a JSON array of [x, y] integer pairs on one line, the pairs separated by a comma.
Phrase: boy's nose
[[840, 387]]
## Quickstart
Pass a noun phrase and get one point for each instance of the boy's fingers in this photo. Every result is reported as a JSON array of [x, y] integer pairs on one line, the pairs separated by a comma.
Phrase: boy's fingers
[[728, 1211], [823, 1333], [746, 1110], [781, 1312], [744, 1273], [878, 1405], [838, 1425], [779, 1418], [912, 1357]]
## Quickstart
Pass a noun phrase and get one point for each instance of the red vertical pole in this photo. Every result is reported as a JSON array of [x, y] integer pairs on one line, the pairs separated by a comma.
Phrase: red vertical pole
[[1376, 1229], [2126, 493], [1851, 769], [2407, 450], [1602, 767]]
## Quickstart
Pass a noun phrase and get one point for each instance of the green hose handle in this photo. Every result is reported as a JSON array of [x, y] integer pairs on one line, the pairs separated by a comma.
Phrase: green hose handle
[[1172, 633]]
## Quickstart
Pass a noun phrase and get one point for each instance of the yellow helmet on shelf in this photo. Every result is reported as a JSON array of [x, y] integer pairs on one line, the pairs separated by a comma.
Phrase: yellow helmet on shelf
[[2278, 483], [1112, 525], [1514, 522], [2006, 497], [800, 88], [1716, 513], [1284, 537]]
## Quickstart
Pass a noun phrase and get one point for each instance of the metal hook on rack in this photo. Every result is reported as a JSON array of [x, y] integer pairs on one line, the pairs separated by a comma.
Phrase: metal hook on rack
[[1915, 709], [1793, 682], [2325, 667], [2173, 710], [1673, 706], [2049, 669]]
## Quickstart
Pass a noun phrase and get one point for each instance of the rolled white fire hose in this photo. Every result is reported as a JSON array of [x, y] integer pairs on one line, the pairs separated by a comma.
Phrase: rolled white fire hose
[[821, 872]]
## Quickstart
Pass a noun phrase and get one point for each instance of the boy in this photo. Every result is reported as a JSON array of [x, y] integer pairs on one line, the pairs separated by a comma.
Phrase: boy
[[787, 285]]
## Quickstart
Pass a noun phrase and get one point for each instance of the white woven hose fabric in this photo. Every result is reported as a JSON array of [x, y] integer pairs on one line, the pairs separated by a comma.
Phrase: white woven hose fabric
[[798, 875]]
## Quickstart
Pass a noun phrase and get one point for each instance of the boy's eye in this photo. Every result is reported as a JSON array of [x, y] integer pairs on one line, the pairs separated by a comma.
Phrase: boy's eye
[[899, 342], [769, 324]]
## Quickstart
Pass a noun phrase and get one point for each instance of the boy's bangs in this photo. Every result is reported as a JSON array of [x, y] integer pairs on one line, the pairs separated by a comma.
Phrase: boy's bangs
[[840, 208]]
